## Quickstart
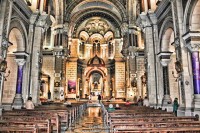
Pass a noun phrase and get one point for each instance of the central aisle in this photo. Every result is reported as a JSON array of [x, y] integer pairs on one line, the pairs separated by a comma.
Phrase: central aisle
[[90, 122]]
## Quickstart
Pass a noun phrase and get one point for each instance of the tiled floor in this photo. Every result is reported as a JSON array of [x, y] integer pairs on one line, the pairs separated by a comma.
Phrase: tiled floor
[[90, 122]]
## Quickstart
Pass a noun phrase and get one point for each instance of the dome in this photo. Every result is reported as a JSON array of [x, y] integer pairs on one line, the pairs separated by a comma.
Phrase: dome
[[96, 61]]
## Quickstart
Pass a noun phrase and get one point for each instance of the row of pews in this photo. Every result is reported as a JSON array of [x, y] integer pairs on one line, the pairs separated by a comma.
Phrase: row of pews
[[147, 120], [54, 118]]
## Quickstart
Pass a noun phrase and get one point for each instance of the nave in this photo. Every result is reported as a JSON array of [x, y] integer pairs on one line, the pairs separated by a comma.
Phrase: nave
[[79, 118], [91, 121]]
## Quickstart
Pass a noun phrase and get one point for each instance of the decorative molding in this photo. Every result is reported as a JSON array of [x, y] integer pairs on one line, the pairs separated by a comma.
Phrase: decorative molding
[[21, 57], [23, 6], [164, 58], [192, 40]]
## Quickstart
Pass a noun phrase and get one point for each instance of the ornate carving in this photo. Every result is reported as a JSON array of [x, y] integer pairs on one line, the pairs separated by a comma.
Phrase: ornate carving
[[124, 28], [193, 47], [178, 66], [97, 25]]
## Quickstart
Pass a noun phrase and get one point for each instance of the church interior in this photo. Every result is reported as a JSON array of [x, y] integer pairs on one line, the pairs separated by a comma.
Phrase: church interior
[[59, 51]]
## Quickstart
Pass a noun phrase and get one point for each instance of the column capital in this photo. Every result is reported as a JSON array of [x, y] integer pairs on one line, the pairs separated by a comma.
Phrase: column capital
[[44, 21], [21, 57], [34, 17], [192, 40], [165, 57], [171, 0], [58, 51], [124, 28]]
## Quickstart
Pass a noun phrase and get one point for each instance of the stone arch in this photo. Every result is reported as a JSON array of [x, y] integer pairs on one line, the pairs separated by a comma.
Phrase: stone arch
[[18, 24], [168, 23], [195, 18], [95, 70], [74, 3], [166, 45], [192, 9], [18, 37], [78, 18]]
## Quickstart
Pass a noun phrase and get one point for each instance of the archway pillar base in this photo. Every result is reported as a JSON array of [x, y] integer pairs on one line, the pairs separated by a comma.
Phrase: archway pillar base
[[1, 109], [167, 103], [18, 102], [196, 101]]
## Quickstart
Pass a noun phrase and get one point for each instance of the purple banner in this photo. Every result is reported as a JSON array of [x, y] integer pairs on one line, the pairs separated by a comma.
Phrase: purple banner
[[19, 80], [71, 87], [195, 71]]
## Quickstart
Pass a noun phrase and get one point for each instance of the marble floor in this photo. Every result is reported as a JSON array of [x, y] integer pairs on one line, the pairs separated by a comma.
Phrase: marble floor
[[90, 122]]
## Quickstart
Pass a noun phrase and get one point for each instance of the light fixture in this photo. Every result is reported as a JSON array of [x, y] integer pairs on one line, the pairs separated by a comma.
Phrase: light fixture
[[29, 3], [176, 77]]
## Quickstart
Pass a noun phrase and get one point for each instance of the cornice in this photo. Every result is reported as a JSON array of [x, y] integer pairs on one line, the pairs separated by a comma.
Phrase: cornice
[[163, 9], [22, 8]]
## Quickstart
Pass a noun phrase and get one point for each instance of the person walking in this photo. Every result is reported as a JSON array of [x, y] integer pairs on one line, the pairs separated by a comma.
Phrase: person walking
[[175, 106]]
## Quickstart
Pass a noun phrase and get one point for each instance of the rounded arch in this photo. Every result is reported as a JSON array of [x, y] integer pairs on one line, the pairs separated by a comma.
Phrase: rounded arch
[[92, 70], [17, 26], [17, 35], [167, 24], [79, 18], [16, 38], [117, 4], [188, 14], [167, 40]]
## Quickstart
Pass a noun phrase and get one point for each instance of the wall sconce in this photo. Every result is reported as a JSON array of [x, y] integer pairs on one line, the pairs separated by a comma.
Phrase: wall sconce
[[29, 2], [3, 67], [179, 69], [187, 82], [5, 76], [176, 77]]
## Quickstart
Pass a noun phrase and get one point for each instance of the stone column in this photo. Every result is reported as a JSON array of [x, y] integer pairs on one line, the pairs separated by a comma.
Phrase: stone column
[[43, 22], [18, 100], [192, 40], [196, 77], [164, 60], [86, 88], [148, 24], [108, 81]]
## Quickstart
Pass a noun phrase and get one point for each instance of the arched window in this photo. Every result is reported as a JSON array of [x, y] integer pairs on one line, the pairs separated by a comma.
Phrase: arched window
[[110, 49]]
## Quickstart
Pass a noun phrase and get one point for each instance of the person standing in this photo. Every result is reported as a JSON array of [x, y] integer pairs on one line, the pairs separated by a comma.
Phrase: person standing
[[99, 98], [175, 106], [29, 103], [146, 102], [140, 101]]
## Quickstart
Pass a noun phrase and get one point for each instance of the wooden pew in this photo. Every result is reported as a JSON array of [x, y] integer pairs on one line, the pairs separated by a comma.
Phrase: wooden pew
[[55, 120], [14, 129], [159, 130], [43, 126], [144, 125], [66, 115], [144, 119]]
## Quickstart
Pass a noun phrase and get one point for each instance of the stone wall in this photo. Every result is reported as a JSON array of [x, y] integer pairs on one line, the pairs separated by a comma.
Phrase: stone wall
[[10, 85], [120, 79], [71, 73], [140, 71], [48, 68]]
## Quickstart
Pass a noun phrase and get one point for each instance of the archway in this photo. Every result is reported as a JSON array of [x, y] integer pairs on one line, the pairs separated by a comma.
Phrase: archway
[[17, 40], [96, 84], [166, 45]]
